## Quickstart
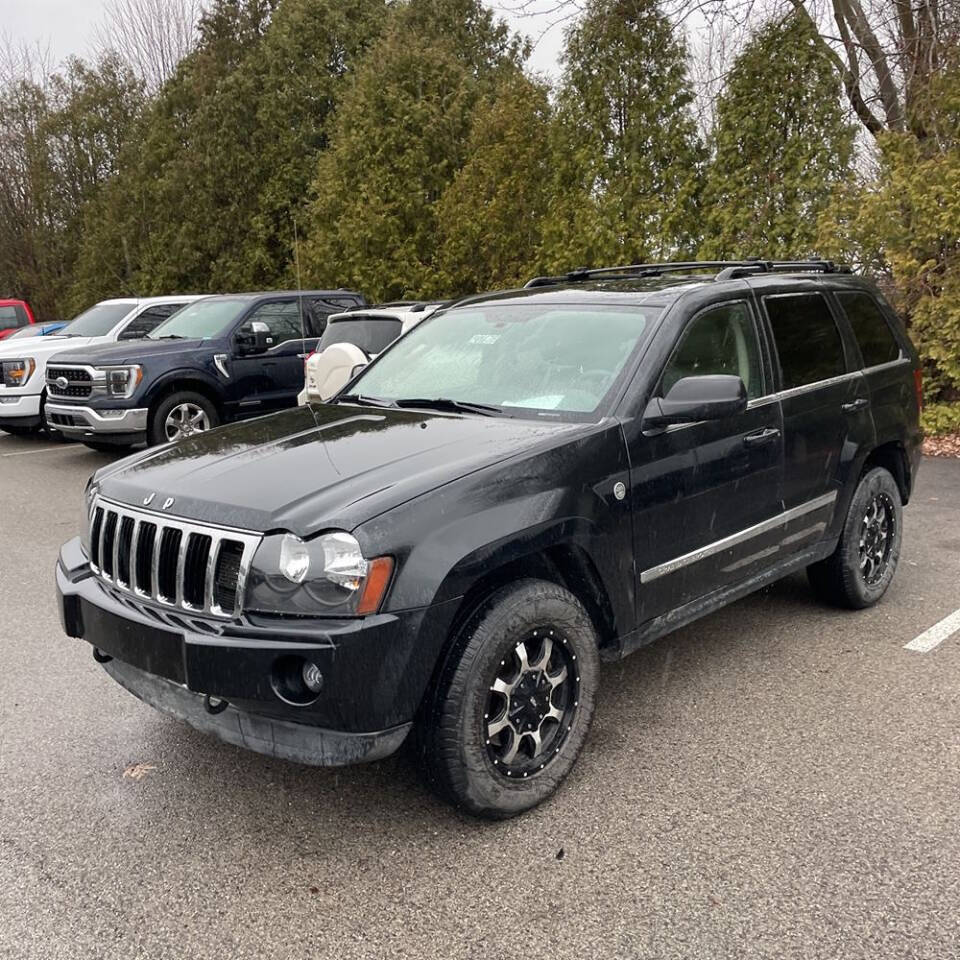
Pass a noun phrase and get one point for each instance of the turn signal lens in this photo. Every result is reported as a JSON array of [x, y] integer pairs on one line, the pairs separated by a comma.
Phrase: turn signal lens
[[375, 585]]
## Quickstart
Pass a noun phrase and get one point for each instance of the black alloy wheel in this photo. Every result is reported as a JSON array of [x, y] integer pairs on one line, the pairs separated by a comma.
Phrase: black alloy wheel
[[532, 705]]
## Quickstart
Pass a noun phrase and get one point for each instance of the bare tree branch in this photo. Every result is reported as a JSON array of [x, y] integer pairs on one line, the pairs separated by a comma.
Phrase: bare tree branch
[[153, 36]]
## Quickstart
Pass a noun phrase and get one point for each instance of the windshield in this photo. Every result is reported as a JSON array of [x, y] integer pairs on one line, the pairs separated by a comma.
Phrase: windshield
[[98, 321], [202, 320], [371, 334], [538, 358]]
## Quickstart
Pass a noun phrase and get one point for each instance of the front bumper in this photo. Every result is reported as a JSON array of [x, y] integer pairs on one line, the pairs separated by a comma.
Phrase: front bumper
[[20, 409], [80, 421], [375, 669]]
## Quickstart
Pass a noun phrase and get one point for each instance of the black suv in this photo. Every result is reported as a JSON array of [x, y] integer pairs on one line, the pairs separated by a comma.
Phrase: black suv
[[218, 359], [526, 483]]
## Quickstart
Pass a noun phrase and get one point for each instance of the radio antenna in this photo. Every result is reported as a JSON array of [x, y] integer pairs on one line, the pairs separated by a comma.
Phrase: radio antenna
[[296, 260]]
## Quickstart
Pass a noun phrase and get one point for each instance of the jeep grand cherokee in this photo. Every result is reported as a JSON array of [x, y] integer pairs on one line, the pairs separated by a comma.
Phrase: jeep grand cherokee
[[526, 483]]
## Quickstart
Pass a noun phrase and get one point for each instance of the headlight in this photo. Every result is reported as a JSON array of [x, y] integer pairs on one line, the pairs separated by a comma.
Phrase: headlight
[[326, 575], [122, 381], [17, 372]]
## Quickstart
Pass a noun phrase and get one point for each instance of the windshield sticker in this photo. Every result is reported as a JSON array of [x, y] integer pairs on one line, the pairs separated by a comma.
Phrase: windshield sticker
[[548, 402]]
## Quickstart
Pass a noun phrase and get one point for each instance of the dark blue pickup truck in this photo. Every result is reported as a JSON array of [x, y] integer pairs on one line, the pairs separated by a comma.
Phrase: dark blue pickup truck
[[219, 359]]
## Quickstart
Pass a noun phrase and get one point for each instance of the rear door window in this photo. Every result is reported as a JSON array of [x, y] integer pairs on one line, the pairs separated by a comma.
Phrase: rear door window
[[371, 334], [807, 339], [877, 342]]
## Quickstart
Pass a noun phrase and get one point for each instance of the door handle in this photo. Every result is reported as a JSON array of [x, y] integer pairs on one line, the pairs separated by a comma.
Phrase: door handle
[[853, 406], [761, 438]]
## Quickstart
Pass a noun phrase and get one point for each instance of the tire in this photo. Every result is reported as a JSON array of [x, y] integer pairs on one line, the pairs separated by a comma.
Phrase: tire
[[157, 430], [104, 447], [456, 751], [855, 578]]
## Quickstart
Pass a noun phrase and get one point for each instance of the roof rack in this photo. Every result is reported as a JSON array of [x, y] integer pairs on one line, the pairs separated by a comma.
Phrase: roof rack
[[728, 270]]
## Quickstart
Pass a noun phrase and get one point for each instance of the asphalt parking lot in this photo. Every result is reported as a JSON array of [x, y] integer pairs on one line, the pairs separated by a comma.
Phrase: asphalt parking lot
[[778, 780]]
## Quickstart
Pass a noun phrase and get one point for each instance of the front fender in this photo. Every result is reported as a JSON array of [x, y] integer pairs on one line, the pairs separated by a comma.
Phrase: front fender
[[448, 540], [160, 385]]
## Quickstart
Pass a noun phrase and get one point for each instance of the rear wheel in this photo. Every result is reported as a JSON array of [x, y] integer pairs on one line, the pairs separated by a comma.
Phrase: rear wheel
[[181, 415], [859, 571], [513, 703]]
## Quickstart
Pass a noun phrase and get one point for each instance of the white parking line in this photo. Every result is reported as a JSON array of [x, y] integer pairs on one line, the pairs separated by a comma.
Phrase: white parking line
[[936, 634], [26, 453]]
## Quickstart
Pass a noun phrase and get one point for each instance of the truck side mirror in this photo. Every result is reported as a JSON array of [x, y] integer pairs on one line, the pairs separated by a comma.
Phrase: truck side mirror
[[253, 337]]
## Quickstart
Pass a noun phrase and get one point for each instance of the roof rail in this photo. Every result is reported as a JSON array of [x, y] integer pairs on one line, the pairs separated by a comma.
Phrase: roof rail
[[728, 270]]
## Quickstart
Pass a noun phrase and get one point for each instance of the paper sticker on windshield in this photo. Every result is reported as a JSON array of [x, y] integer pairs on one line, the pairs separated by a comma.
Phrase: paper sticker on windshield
[[484, 338]]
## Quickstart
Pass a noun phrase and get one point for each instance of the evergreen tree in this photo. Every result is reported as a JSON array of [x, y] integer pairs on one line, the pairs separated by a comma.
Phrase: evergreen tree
[[625, 144], [782, 143], [399, 138], [60, 143], [902, 224], [208, 194], [490, 216]]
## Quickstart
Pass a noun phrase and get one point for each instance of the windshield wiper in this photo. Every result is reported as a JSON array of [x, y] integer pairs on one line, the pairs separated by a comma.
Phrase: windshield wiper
[[457, 406], [169, 336], [364, 399]]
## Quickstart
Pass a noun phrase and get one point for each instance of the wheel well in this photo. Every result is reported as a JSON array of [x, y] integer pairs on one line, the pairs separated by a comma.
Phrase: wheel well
[[565, 565], [892, 457], [195, 386]]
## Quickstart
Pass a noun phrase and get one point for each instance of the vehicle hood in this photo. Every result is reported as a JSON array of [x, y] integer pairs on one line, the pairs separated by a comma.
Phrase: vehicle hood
[[319, 467], [42, 346], [130, 351]]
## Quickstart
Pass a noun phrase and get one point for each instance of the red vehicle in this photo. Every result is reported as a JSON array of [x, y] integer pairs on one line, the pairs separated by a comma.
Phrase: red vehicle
[[14, 314]]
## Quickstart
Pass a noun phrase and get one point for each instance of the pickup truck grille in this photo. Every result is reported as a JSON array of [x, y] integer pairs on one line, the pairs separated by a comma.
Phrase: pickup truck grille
[[79, 383], [176, 563]]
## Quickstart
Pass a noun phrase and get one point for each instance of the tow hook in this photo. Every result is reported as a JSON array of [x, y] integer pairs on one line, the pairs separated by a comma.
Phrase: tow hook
[[214, 705], [100, 656]]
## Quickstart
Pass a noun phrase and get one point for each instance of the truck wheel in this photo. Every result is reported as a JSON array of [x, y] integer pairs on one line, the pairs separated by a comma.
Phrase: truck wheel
[[181, 415], [513, 702], [858, 572]]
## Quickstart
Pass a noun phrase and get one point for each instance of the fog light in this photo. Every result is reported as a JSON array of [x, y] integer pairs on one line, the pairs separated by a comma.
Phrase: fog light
[[312, 677], [295, 680]]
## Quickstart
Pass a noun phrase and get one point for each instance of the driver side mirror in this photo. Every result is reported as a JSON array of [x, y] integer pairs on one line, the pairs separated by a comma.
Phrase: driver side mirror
[[713, 397], [253, 337]]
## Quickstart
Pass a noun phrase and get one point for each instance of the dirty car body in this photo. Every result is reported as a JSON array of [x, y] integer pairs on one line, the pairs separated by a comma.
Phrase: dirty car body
[[648, 523]]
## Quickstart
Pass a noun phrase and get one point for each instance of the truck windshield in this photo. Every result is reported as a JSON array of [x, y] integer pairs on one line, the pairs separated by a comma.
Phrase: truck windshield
[[202, 320], [98, 321], [526, 359]]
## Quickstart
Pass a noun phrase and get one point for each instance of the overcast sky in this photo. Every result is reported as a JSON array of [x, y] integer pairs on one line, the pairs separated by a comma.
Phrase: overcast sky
[[67, 26]]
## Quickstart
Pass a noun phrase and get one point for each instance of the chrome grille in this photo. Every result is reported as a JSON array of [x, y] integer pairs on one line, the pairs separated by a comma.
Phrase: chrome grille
[[176, 563], [79, 382]]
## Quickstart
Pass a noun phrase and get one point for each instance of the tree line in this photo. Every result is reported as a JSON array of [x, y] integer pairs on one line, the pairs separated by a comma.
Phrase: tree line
[[413, 152]]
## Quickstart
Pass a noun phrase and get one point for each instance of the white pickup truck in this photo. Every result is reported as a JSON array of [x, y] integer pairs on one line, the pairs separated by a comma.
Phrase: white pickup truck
[[23, 363]]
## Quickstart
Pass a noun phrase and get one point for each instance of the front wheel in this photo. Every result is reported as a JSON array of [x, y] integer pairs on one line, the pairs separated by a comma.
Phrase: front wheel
[[513, 702], [858, 572], [181, 415]]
